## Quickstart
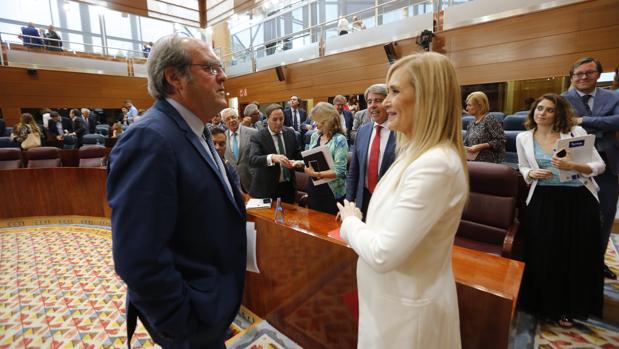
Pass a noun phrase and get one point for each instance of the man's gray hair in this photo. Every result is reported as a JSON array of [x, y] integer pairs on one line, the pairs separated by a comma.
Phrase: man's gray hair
[[227, 111], [339, 98], [169, 51], [250, 109], [85, 111], [379, 89]]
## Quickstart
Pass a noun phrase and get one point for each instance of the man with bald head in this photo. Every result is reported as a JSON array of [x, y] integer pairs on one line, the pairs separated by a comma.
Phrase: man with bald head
[[178, 223], [237, 151]]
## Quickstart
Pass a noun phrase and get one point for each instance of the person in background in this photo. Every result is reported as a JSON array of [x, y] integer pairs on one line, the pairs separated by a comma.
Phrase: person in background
[[597, 111], [90, 120], [484, 139], [357, 24], [2, 126], [131, 110], [216, 121], [78, 125], [58, 126], [346, 117], [373, 151], [295, 116], [342, 26], [178, 222], [615, 85], [272, 153], [25, 127], [146, 49], [53, 41], [219, 141], [117, 130], [406, 286], [353, 104], [31, 36], [237, 154], [323, 197], [46, 116], [563, 273], [251, 117]]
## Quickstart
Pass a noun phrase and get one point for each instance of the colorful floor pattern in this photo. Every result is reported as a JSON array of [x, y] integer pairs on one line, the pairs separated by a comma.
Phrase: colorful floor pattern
[[58, 289]]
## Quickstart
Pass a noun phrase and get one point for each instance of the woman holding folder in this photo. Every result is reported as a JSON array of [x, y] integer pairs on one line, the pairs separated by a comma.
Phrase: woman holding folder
[[563, 274], [323, 197], [407, 291]]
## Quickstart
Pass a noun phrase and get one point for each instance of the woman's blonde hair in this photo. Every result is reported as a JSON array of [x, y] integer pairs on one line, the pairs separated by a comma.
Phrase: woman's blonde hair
[[480, 99], [437, 112], [327, 112]]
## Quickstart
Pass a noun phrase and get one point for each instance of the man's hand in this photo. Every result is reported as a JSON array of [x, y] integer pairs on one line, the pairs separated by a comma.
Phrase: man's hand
[[282, 160]]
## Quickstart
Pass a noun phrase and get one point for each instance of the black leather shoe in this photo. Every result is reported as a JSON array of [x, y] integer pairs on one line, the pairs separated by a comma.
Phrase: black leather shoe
[[609, 273]]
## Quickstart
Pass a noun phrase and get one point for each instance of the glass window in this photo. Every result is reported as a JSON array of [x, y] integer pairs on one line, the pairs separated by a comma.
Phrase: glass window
[[93, 13], [120, 48], [153, 29], [118, 24], [10, 28], [73, 46], [36, 11], [72, 14]]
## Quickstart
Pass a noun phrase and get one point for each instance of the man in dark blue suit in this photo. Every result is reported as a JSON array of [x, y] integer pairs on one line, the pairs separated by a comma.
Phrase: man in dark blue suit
[[31, 36], [346, 117], [598, 113], [178, 223], [295, 116], [373, 152]]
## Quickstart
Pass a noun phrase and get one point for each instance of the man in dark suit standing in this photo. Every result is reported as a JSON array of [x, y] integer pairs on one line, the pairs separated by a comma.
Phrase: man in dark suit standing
[[373, 152], [598, 113], [295, 116], [272, 153], [346, 117], [79, 126], [178, 223], [58, 126]]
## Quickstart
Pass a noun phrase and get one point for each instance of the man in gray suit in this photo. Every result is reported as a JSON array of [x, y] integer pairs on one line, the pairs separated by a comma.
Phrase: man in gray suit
[[237, 151], [598, 112]]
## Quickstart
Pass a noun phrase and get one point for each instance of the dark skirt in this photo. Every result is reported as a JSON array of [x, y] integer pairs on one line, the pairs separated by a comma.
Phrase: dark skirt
[[320, 198], [563, 271]]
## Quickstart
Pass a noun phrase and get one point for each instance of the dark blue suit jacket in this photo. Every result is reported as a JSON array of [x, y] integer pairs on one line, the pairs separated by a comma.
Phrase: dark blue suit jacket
[[30, 41], [288, 118], [603, 123], [178, 234], [355, 181], [349, 118]]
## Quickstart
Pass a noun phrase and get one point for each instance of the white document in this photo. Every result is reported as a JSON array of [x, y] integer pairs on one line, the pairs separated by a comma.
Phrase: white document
[[470, 156], [580, 150], [258, 203], [321, 160], [252, 262]]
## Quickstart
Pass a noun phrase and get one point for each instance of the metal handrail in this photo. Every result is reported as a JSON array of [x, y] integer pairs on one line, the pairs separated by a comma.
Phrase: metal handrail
[[104, 48], [321, 25]]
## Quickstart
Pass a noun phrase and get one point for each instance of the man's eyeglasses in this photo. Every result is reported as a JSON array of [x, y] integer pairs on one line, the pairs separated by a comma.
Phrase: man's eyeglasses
[[589, 74], [211, 68]]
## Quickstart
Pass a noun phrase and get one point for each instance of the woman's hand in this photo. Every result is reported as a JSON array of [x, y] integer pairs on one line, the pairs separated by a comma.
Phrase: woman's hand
[[563, 163], [348, 209], [539, 174], [310, 171]]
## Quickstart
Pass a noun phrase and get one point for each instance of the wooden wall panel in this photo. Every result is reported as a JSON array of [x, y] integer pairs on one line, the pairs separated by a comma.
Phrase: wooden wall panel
[[60, 89], [536, 45]]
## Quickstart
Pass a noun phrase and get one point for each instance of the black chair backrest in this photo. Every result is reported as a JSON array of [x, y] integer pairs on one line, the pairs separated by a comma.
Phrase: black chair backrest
[[514, 123]]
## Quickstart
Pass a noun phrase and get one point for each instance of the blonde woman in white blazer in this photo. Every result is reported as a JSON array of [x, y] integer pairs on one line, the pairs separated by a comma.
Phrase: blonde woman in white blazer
[[407, 292], [563, 275]]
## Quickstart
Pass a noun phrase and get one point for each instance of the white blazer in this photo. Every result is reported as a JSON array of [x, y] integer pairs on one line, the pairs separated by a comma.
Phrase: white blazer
[[527, 161], [407, 291]]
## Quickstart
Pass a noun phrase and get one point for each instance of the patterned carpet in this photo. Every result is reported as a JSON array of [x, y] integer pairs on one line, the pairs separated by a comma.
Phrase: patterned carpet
[[58, 289]]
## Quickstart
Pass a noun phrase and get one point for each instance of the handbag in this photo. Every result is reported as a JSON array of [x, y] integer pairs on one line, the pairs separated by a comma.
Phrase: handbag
[[32, 141]]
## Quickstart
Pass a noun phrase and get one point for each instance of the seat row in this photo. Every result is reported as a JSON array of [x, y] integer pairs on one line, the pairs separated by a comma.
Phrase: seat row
[[44, 157]]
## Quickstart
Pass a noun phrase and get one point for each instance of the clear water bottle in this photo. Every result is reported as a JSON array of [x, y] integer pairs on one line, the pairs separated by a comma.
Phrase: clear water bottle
[[279, 212]]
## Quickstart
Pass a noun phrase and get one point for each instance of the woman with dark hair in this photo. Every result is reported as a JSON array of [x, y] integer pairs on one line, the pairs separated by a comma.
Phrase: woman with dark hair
[[23, 129], [563, 274]]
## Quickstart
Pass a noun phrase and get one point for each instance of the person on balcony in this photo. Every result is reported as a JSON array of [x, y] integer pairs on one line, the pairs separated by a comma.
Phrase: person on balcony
[[53, 41], [31, 37]]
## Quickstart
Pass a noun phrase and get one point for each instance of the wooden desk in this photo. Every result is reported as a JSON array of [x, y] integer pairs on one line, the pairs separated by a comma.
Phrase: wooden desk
[[307, 284]]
